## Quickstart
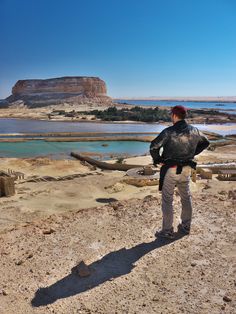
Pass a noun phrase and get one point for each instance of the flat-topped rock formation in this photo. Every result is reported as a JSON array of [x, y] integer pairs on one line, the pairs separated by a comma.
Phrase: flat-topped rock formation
[[87, 86], [74, 89]]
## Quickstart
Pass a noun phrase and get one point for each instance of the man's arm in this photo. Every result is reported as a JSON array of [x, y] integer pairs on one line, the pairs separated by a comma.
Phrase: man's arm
[[202, 144], [156, 145]]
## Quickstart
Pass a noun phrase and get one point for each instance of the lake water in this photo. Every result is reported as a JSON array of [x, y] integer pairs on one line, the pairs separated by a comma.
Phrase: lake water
[[61, 150], [188, 104], [18, 126], [36, 126]]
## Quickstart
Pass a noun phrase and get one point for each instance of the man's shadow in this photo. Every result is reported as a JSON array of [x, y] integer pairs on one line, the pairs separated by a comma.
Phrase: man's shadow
[[112, 265]]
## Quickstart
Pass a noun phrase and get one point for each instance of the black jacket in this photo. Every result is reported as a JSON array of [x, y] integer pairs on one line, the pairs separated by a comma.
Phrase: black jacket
[[180, 142]]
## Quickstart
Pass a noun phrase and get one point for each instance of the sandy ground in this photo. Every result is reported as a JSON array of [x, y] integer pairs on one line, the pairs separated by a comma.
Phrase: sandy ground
[[42, 113], [91, 187], [47, 228], [41, 199]]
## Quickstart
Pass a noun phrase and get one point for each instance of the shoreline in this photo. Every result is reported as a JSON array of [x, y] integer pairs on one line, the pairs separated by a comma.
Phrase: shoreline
[[81, 113], [231, 99], [91, 136], [79, 139], [114, 122]]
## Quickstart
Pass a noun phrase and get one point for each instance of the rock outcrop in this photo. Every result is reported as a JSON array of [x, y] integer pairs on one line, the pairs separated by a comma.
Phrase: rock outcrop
[[3, 103], [75, 89]]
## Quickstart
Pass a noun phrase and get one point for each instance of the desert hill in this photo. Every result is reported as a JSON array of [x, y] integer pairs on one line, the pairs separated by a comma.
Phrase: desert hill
[[53, 91]]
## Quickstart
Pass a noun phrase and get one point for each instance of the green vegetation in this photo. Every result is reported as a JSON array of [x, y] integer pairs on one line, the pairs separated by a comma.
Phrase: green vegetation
[[154, 114], [133, 114], [120, 160]]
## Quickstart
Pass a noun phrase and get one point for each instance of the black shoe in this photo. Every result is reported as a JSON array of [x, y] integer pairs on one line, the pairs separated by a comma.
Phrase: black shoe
[[167, 234], [183, 229]]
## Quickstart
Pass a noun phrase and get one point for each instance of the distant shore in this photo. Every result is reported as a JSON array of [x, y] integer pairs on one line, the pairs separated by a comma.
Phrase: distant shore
[[208, 116], [228, 99]]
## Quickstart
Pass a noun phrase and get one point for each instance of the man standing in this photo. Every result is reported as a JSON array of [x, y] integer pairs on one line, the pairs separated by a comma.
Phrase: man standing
[[175, 147]]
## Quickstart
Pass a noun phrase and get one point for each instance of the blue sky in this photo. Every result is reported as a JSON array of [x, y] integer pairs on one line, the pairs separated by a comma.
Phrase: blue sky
[[139, 47]]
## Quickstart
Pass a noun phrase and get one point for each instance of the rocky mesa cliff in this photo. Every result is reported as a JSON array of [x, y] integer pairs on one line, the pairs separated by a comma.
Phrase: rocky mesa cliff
[[43, 92]]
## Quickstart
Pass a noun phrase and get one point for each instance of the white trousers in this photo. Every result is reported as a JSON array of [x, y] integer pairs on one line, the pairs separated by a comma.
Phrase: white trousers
[[182, 182]]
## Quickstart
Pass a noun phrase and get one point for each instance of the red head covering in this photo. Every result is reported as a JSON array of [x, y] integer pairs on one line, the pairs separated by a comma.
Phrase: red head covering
[[179, 110]]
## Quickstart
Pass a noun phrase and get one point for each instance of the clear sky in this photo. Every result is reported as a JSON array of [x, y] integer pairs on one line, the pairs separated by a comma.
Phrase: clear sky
[[139, 47]]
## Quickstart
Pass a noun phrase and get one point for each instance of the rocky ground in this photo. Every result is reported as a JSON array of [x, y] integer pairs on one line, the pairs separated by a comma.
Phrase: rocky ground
[[130, 270], [48, 228]]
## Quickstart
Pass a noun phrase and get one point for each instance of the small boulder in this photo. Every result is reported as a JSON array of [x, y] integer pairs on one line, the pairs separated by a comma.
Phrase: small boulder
[[49, 231], [149, 198], [4, 292], [81, 270], [226, 298], [20, 262]]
